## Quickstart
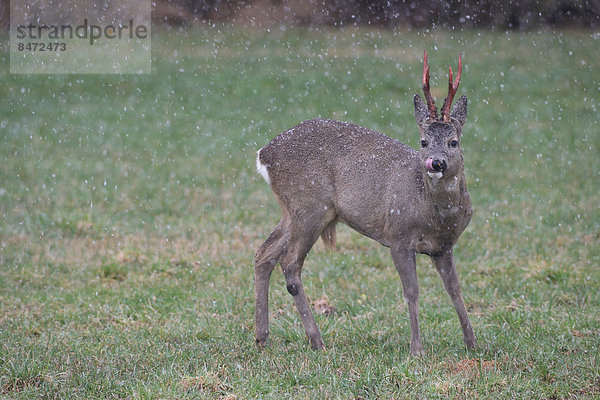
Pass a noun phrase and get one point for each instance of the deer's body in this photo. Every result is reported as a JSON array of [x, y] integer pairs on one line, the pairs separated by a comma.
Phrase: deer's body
[[392, 204], [325, 171]]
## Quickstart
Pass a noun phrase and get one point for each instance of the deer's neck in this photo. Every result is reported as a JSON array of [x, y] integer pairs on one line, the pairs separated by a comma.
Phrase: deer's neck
[[447, 197]]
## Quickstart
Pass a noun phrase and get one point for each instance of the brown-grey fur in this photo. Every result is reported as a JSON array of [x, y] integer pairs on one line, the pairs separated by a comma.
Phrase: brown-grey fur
[[325, 171]]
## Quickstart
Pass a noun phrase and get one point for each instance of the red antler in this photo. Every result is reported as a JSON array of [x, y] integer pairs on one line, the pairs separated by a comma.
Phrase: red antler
[[426, 92], [452, 88]]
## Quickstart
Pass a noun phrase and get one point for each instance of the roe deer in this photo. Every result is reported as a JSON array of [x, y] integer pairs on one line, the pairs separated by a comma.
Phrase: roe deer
[[325, 171]]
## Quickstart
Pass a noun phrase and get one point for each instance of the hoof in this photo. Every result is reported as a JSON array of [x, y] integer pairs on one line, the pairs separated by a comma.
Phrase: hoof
[[471, 343], [416, 351], [317, 344], [261, 343]]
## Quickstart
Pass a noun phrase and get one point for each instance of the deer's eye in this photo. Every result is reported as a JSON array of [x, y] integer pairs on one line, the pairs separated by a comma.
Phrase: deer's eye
[[454, 143], [424, 143]]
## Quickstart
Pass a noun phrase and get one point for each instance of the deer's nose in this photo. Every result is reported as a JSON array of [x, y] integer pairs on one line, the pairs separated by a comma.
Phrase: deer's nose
[[439, 165]]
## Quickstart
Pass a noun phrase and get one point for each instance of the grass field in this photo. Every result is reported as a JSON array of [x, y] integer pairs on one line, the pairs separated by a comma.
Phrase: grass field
[[130, 211]]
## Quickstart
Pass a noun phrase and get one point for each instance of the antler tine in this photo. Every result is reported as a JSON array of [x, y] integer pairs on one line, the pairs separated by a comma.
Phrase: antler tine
[[452, 88], [430, 104]]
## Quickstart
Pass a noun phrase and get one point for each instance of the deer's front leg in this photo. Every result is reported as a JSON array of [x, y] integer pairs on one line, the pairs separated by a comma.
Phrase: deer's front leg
[[445, 266], [405, 262]]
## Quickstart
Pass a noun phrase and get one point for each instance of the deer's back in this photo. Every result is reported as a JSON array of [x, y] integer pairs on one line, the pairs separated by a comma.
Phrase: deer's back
[[324, 149]]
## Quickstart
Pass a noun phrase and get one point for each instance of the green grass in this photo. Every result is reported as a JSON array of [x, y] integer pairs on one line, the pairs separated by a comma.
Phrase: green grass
[[130, 211]]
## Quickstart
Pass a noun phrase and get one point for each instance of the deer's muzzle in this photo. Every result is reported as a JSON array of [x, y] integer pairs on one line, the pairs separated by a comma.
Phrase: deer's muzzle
[[436, 165]]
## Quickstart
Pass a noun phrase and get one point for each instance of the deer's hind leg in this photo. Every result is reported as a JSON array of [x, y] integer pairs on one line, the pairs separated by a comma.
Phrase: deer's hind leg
[[291, 265], [267, 256], [304, 232]]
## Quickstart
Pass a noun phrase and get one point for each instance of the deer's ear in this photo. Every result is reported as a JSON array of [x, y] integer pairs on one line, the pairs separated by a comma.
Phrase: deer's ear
[[421, 112], [459, 111]]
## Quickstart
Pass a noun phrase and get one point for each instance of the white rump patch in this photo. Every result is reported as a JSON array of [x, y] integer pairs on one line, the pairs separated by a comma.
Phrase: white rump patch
[[262, 168], [436, 175]]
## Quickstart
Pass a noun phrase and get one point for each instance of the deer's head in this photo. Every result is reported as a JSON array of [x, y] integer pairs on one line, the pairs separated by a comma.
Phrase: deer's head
[[441, 155]]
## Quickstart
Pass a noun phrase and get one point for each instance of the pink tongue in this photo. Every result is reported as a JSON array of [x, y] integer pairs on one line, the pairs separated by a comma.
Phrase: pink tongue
[[429, 165]]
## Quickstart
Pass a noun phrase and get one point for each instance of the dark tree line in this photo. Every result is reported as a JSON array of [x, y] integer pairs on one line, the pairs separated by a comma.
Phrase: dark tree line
[[503, 14], [492, 14]]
